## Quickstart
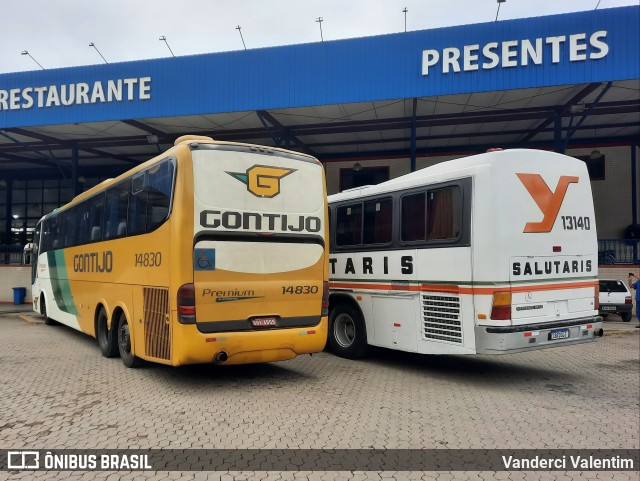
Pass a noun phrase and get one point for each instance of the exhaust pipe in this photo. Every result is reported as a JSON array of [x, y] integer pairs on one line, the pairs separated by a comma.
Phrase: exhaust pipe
[[221, 357]]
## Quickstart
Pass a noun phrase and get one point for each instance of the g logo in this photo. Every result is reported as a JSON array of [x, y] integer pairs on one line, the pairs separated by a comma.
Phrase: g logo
[[262, 180]]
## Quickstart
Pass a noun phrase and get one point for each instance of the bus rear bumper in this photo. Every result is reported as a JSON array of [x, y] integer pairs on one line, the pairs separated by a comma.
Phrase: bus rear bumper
[[249, 347], [510, 339]]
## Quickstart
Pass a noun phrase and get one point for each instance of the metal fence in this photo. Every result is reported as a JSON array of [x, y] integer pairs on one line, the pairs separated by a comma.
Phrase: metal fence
[[618, 251], [11, 254]]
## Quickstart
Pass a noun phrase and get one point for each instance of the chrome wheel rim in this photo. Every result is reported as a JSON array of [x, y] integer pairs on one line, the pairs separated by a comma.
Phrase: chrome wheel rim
[[344, 330]]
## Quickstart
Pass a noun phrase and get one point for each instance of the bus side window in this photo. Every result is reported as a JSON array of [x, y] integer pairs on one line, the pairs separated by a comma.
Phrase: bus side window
[[137, 216], [329, 216], [49, 231], [431, 216], [159, 187], [377, 221], [349, 225], [116, 207], [443, 214], [96, 216], [413, 218]]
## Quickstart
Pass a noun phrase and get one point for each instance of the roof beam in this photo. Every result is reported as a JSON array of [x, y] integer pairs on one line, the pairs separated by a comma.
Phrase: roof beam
[[577, 98], [279, 132], [466, 135], [70, 145], [144, 127]]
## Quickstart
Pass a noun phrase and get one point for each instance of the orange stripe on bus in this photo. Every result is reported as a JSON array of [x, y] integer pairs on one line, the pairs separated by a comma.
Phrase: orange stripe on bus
[[464, 290]]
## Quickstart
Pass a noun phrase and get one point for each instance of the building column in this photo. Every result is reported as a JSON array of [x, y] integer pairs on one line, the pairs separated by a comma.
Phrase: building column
[[413, 135], [557, 133], [8, 212], [74, 169]]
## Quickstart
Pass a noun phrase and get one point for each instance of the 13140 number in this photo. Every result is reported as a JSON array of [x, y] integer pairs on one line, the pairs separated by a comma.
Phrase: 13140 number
[[571, 222]]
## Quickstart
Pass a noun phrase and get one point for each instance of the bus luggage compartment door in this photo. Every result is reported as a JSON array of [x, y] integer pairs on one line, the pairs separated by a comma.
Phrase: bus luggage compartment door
[[394, 323]]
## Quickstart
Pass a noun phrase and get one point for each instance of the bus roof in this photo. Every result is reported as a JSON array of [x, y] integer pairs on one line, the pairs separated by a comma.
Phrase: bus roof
[[186, 141], [444, 171]]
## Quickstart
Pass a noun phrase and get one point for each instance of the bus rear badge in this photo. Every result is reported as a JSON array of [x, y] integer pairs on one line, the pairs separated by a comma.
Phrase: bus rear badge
[[262, 180]]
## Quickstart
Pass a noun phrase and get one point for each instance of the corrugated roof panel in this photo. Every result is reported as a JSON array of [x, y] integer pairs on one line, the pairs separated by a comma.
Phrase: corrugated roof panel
[[593, 46]]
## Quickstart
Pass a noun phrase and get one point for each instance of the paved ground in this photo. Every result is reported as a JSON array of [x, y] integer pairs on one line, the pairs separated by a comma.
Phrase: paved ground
[[58, 392]]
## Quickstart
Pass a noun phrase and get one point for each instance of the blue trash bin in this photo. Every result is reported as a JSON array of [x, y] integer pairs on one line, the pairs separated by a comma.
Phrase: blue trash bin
[[19, 293]]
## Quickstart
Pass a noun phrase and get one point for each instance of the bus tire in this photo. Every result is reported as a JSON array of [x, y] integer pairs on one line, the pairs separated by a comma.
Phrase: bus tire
[[124, 343], [347, 332], [106, 337], [43, 310]]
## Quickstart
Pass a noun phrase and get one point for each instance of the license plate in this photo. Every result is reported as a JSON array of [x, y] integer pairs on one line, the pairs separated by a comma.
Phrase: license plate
[[607, 308], [558, 334], [264, 322]]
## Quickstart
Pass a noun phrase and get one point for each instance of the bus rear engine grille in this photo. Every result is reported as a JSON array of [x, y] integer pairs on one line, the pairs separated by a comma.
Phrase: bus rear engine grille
[[441, 318], [157, 335]]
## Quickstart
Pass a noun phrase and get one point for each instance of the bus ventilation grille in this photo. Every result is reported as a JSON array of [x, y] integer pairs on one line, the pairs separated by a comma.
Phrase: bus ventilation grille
[[157, 333], [441, 318]]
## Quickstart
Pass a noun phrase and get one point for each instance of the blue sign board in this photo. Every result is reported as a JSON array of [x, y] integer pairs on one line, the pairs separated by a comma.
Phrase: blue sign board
[[594, 46]]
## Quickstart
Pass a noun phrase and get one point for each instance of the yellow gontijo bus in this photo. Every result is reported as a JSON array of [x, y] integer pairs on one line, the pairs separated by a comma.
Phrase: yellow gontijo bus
[[211, 252]]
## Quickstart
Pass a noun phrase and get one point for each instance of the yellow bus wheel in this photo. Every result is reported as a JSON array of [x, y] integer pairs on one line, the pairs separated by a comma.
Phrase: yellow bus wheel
[[106, 337], [43, 310], [124, 343]]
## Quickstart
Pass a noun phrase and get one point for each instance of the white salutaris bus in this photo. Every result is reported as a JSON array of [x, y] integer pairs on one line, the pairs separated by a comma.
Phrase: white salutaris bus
[[493, 253]]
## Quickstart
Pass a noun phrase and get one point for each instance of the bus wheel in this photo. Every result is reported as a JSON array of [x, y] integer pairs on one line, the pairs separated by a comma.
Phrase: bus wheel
[[347, 333], [43, 310], [106, 337], [124, 343]]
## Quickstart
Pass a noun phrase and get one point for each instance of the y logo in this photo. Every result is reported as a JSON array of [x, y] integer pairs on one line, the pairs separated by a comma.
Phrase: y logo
[[262, 180], [549, 202]]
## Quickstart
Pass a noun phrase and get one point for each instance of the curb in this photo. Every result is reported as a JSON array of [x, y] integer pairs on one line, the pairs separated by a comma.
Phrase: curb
[[624, 332], [30, 319]]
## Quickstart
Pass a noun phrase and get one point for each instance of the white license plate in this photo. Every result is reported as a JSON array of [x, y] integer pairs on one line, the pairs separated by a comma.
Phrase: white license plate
[[264, 322], [558, 334], [607, 308]]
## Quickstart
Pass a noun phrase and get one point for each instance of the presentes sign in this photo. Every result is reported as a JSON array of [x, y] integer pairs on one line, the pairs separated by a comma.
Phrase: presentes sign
[[514, 53]]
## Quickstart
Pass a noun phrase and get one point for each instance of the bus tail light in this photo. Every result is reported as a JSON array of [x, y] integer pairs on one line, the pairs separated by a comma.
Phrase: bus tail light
[[325, 299], [187, 304], [596, 299], [501, 308]]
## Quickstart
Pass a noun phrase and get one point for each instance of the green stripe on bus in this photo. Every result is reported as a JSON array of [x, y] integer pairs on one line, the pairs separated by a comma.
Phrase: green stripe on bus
[[60, 282]]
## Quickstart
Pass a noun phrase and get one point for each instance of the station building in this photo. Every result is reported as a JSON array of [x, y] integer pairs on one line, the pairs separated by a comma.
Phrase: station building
[[370, 109]]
